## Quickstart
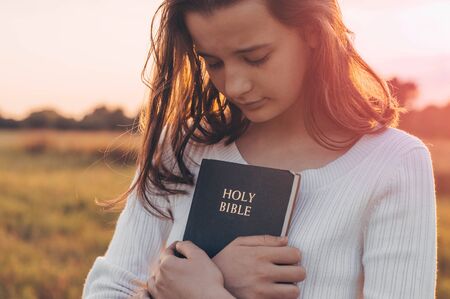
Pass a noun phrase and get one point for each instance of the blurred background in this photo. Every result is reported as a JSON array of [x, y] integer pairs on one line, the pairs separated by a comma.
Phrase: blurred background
[[70, 91]]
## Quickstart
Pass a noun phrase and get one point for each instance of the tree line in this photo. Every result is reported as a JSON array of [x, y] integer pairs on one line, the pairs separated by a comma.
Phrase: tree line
[[429, 122], [101, 118]]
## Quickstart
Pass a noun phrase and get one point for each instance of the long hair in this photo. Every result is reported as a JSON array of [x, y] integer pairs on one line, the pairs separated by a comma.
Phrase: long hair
[[184, 106]]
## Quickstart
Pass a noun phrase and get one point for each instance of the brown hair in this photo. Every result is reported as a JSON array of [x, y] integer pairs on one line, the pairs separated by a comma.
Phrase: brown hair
[[185, 106]]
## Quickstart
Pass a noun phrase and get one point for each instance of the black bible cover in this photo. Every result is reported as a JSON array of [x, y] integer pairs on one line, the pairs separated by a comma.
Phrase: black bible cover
[[232, 200]]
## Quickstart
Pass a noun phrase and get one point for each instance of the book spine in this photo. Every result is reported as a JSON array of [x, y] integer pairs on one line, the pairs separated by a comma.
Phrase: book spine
[[195, 201]]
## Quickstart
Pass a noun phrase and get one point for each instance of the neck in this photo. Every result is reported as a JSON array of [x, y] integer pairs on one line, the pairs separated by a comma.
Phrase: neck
[[288, 129]]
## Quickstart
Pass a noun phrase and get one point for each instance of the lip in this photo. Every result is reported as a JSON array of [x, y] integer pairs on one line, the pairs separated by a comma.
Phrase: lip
[[254, 104]]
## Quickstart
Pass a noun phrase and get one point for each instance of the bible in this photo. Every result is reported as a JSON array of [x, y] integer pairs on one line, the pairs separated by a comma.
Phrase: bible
[[232, 200]]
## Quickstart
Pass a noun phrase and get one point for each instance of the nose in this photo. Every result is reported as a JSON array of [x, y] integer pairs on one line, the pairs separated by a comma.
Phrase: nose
[[237, 84]]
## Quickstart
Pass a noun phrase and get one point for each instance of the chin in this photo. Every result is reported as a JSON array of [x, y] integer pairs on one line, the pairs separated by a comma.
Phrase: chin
[[260, 116]]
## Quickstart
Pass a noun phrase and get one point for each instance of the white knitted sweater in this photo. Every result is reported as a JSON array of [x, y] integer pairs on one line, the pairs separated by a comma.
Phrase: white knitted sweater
[[365, 224]]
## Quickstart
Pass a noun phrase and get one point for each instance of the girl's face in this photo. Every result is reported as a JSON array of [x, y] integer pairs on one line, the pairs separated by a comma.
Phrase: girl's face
[[254, 60]]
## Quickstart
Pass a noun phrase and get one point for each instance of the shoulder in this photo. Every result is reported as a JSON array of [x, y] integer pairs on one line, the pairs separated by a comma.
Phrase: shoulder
[[395, 143], [399, 138], [402, 168], [391, 151], [401, 156]]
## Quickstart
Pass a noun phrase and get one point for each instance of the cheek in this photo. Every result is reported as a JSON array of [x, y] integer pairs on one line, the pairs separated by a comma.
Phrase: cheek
[[284, 79], [295, 78]]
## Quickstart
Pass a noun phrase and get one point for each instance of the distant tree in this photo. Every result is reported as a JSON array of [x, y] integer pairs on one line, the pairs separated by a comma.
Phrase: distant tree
[[7, 123], [103, 119], [405, 92], [430, 122], [48, 119]]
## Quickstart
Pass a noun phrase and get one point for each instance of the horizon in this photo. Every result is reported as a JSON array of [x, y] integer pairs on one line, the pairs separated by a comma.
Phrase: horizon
[[51, 59]]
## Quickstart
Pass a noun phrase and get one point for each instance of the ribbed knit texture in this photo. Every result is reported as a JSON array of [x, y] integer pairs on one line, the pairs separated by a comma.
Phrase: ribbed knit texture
[[365, 224]]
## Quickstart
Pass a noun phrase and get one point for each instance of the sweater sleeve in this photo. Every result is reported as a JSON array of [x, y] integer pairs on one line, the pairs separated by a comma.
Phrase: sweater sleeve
[[136, 244], [399, 257]]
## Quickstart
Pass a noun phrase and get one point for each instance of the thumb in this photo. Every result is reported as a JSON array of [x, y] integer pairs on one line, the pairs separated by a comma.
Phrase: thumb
[[190, 250]]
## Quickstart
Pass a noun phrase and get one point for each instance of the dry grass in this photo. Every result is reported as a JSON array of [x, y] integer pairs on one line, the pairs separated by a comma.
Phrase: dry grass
[[113, 146], [50, 228], [440, 153], [443, 214]]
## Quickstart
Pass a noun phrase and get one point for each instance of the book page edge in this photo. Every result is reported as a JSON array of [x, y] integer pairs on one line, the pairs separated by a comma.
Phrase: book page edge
[[290, 208]]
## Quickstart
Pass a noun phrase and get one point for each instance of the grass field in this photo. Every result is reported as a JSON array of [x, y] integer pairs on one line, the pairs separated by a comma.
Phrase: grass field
[[443, 210], [50, 228]]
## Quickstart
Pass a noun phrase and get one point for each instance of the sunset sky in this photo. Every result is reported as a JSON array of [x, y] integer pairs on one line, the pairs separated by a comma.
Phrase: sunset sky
[[74, 55]]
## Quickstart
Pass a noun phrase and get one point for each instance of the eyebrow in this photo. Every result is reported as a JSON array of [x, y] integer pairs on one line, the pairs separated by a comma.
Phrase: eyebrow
[[240, 51]]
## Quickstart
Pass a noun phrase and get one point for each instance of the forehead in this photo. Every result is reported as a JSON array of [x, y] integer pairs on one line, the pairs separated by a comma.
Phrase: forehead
[[233, 27]]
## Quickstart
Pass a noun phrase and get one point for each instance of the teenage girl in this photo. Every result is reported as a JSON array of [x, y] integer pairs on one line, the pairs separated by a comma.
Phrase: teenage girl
[[273, 83]]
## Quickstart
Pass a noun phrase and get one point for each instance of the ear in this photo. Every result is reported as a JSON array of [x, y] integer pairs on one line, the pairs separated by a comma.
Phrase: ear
[[310, 35]]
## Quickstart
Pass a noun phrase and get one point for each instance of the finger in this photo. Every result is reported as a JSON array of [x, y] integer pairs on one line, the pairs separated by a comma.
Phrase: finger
[[282, 291], [172, 250], [173, 245], [190, 250], [261, 240], [282, 255], [151, 286], [287, 273], [169, 251]]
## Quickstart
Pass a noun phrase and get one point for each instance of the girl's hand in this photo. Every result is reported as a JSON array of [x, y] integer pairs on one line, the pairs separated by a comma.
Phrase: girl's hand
[[261, 267], [196, 276]]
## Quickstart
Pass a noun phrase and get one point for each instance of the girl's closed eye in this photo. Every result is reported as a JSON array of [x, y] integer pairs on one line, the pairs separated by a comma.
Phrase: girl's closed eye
[[256, 63]]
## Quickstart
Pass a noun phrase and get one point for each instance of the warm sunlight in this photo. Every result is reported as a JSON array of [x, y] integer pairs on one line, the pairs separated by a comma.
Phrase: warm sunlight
[[73, 56], [309, 166]]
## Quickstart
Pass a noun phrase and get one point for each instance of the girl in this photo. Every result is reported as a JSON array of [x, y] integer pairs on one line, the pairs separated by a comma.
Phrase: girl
[[274, 83]]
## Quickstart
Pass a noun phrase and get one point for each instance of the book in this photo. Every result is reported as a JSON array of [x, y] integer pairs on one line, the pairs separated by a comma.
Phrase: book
[[232, 200]]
